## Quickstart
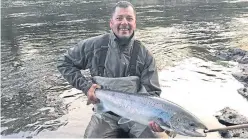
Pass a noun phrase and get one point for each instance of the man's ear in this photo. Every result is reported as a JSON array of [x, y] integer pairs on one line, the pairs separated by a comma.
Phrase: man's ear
[[135, 25], [110, 23]]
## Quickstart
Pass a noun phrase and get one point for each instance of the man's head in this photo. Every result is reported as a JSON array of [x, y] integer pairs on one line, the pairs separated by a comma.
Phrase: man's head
[[123, 20]]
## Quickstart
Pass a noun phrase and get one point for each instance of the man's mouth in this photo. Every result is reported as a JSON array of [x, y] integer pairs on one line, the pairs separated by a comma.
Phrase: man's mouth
[[124, 29]]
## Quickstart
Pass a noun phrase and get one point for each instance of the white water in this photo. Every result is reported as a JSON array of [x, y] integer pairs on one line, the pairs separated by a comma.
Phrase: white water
[[203, 95]]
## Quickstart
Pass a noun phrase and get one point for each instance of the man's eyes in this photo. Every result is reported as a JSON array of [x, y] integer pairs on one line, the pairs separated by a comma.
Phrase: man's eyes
[[129, 18], [121, 18]]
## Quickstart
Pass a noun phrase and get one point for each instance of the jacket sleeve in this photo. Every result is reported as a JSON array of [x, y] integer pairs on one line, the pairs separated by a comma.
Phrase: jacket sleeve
[[70, 65], [149, 76]]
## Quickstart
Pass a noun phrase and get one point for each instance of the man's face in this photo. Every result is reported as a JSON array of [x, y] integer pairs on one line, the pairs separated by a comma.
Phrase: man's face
[[123, 22]]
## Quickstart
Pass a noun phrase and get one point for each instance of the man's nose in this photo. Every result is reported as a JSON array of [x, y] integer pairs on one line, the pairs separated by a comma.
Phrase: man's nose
[[124, 21]]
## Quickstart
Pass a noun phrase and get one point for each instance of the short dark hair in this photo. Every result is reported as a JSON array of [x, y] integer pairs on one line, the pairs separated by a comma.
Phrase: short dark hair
[[122, 4]]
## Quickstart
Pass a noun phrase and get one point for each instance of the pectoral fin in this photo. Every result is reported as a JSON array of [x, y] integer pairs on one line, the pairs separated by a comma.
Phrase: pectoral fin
[[124, 120], [88, 102], [163, 125]]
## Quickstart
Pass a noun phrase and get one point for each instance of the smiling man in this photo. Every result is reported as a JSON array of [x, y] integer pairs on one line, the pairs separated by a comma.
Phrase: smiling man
[[123, 22], [117, 61]]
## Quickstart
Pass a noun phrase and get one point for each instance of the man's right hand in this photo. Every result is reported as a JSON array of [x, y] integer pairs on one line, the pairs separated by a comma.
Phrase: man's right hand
[[91, 94]]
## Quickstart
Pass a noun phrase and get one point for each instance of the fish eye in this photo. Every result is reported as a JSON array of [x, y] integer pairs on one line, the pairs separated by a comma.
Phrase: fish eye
[[178, 120]]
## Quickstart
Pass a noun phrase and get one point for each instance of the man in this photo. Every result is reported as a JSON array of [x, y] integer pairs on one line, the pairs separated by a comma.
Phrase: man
[[113, 62]]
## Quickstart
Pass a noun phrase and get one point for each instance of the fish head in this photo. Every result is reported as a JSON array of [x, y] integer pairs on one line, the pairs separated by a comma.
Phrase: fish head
[[187, 125]]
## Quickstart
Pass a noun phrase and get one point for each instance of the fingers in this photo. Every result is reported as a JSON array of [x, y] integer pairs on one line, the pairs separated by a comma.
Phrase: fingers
[[155, 127], [96, 86], [152, 126], [159, 129], [91, 94]]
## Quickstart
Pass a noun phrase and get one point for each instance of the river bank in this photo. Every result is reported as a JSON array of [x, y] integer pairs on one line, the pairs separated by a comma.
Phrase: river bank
[[228, 116], [182, 35], [204, 88]]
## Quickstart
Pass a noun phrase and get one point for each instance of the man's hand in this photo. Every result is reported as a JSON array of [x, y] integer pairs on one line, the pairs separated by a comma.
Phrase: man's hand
[[155, 127], [91, 94]]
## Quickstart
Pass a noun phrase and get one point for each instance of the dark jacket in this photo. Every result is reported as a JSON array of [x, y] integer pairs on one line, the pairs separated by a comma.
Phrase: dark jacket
[[86, 54]]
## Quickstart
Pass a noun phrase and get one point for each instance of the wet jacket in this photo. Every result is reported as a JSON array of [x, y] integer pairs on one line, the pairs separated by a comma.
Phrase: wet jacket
[[86, 54]]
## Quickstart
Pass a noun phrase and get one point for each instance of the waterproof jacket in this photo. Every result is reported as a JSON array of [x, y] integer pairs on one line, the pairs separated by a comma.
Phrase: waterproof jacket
[[86, 55]]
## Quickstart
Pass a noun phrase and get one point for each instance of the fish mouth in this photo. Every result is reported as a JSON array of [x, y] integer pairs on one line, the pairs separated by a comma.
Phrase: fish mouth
[[196, 133], [198, 130]]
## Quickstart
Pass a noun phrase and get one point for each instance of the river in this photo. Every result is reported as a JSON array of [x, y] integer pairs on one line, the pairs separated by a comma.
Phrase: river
[[182, 35]]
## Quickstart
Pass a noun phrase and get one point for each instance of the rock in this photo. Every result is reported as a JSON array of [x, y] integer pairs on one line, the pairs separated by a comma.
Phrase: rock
[[234, 54], [241, 76], [223, 55], [244, 60], [244, 68], [240, 56], [235, 133], [243, 92], [231, 117]]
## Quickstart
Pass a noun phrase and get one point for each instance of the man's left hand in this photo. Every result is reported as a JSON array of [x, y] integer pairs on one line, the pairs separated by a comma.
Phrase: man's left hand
[[155, 127]]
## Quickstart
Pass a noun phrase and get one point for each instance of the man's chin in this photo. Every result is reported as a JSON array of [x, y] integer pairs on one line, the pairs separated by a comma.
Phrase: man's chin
[[124, 38]]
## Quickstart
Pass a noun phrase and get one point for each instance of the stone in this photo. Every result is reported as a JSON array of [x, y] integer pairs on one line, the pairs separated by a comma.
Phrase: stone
[[243, 92], [231, 117], [234, 54], [241, 76]]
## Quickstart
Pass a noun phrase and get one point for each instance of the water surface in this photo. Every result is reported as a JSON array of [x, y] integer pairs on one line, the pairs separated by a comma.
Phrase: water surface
[[182, 35]]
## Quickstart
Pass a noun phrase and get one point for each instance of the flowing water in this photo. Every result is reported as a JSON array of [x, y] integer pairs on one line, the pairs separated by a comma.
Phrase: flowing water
[[182, 35]]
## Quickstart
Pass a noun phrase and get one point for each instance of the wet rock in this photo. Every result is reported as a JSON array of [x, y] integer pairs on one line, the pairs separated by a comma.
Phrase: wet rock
[[234, 54], [243, 92], [231, 117], [244, 67], [241, 76], [244, 59], [235, 133]]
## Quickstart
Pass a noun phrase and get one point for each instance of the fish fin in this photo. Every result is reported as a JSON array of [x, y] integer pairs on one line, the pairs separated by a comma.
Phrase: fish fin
[[99, 116], [99, 108], [166, 128], [163, 125], [88, 102], [124, 120]]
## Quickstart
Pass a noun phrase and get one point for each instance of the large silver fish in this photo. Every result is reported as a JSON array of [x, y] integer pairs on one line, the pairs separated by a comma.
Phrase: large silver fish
[[144, 108]]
